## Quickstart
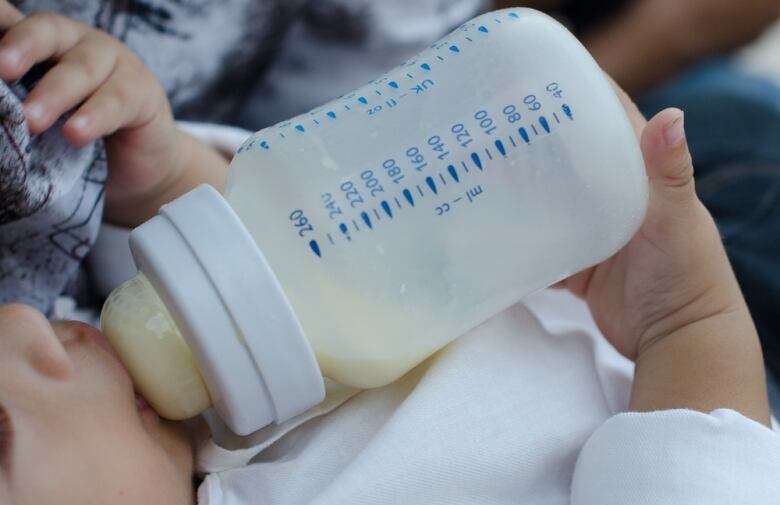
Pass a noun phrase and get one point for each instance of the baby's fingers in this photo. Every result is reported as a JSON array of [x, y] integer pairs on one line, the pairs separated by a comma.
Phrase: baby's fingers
[[9, 15], [116, 104], [78, 74], [668, 160], [35, 39]]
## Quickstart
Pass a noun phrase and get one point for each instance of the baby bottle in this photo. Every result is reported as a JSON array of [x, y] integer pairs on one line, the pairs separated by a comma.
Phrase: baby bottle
[[355, 240]]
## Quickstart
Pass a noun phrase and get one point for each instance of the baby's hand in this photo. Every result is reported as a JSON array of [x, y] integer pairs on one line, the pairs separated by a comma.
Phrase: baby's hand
[[674, 271], [669, 298], [113, 94]]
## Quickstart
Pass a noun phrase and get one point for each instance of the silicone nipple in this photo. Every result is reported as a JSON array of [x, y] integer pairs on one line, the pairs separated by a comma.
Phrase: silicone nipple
[[152, 349]]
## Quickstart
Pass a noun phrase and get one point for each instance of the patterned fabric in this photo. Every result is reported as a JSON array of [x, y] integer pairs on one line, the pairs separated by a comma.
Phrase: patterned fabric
[[51, 196]]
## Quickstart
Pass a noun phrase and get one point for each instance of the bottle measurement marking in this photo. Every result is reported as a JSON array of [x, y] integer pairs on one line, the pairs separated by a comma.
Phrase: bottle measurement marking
[[477, 161], [315, 248], [453, 173], [408, 195], [345, 230], [386, 206], [432, 184], [544, 123], [367, 220], [500, 147], [524, 135], [452, 48], [444, 208], [421, 79]]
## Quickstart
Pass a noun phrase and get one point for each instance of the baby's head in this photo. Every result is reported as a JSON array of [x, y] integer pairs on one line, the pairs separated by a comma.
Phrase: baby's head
[[70, 428]]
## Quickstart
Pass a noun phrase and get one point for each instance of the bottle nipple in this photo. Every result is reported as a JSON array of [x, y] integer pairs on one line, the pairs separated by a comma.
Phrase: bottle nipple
[[152, 349]]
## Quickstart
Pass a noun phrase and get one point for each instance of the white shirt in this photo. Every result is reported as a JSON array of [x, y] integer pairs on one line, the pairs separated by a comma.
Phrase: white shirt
[[523, 409]]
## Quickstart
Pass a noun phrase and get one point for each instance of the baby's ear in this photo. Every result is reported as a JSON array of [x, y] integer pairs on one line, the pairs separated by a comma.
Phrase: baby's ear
[[668, 160]]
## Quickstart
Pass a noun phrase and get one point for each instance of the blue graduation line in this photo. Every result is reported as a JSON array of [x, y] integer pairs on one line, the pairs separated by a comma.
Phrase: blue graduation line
[[315, 247], [332, 115], [453, 173], [300, 128], [367, 220], [408, 196], [500, 147], [432, 185], [386, 206], [524, 134], [476, 160], [544, 123]]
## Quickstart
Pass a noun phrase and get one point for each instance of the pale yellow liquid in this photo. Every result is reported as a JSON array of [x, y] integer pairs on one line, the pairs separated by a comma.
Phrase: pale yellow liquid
[[152, 349]]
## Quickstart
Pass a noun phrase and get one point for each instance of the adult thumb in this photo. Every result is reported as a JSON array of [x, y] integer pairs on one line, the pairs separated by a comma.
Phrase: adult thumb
[[667, 158]]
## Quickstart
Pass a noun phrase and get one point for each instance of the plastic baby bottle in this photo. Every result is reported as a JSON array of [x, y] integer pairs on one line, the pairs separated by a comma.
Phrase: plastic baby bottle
[[355, 240]]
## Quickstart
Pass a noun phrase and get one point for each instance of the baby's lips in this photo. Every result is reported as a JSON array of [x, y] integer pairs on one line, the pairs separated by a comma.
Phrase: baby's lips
[[141, 404]]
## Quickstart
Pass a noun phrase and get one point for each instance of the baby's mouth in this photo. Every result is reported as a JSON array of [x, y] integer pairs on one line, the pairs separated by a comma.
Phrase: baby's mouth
[[141, 404]]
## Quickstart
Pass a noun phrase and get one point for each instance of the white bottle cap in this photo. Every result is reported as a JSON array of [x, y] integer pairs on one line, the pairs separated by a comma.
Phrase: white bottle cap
[[255, 360]]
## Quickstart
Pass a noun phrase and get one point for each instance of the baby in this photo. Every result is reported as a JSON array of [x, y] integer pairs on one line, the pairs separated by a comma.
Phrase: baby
[[72, 431]]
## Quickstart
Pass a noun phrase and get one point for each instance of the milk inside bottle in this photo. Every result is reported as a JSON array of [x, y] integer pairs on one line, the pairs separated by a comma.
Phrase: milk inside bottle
[[357, 239]]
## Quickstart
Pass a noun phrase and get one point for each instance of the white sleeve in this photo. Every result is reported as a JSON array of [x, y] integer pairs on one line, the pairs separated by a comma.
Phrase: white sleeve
[[679, 457]]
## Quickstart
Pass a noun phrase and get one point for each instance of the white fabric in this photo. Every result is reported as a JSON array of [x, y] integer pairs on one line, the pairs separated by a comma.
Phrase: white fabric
[[679, 457], [500, 417]]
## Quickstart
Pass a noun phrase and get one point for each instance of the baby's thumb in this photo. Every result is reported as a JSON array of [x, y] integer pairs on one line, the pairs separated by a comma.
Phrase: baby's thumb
[[668, 160]]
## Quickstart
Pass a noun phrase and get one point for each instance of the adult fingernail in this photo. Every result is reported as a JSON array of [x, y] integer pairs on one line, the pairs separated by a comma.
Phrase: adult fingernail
[[33, 111], [80, 122], [10, 58], [674, 133]]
